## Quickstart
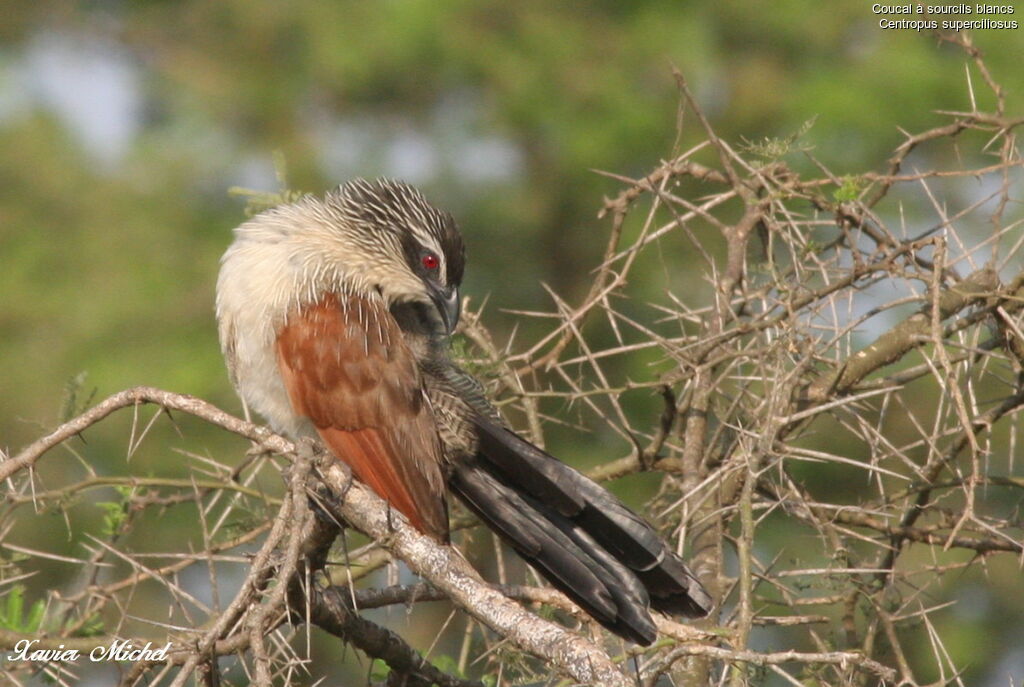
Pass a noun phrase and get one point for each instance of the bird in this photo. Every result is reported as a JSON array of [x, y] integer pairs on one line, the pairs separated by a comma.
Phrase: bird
[[335, 315]]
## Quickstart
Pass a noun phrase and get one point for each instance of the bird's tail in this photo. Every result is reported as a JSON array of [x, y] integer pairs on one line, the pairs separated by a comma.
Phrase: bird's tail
[[584, 540]]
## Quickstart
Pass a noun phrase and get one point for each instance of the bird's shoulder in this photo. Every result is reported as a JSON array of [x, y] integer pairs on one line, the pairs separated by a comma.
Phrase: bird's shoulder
[[348, 363]]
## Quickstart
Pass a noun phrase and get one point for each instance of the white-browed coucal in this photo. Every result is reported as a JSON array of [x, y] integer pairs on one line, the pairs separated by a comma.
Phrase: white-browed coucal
[[335, 316]]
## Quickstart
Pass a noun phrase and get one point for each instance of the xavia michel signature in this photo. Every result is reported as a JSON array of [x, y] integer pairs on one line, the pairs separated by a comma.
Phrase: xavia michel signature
[[118, 650]]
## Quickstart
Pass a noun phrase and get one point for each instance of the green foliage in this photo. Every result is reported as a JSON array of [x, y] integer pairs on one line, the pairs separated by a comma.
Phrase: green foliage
[[258, 201], [775, 148], [447, 664], [73, 403], [849, 190], [379, 670], [461, 352], [14, 618], [810, 248], [115, 513], [92, 627], [12, 612]]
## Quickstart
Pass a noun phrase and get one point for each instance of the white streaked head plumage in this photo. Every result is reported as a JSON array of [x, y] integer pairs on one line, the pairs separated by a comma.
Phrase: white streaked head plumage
[[360, 238]]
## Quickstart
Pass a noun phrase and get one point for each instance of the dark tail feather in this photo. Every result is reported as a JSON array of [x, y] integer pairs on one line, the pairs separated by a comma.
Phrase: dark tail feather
[[550, 544], [563, 522]]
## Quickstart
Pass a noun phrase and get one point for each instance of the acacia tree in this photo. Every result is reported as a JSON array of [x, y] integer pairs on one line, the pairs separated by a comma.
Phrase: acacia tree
[[867, 327]]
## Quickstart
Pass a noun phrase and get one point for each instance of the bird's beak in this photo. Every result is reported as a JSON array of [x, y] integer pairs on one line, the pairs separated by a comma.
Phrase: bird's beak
[[448, 305]]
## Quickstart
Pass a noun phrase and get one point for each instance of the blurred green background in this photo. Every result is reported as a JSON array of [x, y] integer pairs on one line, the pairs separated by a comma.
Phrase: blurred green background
[[124, 124]]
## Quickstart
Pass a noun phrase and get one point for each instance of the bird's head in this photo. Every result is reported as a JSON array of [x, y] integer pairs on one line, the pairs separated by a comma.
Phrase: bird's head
[[373, 238], [414, 252]]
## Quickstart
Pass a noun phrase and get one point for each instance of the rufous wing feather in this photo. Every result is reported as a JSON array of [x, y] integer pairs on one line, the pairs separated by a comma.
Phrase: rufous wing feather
[[347, 368]]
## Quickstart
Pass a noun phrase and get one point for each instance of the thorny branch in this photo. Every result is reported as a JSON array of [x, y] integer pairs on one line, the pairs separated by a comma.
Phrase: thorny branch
[[259, 607], [843, 360]]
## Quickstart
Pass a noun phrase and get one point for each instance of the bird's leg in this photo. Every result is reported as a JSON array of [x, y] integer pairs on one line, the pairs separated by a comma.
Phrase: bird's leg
[[326, 526], [318, 533], [317, 488], [391, 525]]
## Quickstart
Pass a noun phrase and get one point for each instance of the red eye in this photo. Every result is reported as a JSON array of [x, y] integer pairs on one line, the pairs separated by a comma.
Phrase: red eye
[[430, 261]]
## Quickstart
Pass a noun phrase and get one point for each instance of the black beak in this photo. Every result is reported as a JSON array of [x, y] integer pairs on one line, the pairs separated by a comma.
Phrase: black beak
[[449, 305]]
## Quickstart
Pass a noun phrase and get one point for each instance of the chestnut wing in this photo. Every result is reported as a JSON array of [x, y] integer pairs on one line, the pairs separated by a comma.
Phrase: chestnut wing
[[347, 368]]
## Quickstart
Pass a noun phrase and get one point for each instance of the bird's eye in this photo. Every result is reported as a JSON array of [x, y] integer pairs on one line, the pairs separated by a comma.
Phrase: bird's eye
[[430, 261]]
